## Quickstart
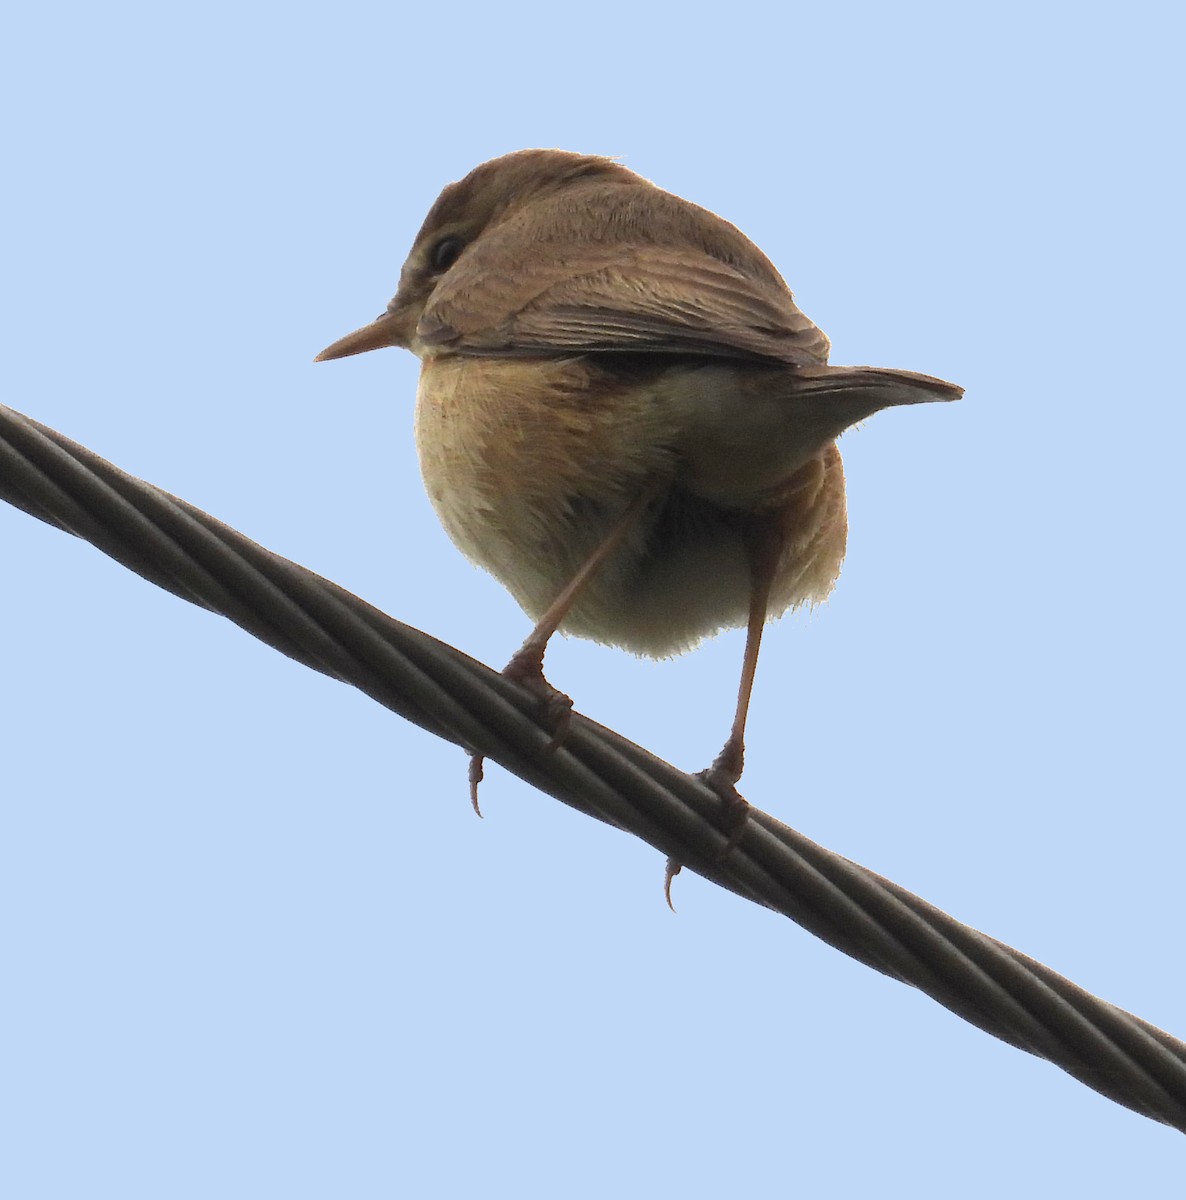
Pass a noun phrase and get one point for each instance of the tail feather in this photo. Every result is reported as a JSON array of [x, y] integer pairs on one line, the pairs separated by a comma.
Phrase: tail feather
[[835, 398], [891, 387], [747, 431]]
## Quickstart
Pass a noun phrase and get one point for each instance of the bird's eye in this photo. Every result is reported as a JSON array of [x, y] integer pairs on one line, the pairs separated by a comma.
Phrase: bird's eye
[[444, 254]]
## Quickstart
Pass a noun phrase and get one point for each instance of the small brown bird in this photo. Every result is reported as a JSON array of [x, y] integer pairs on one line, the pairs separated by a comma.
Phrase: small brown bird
[[622, 413]]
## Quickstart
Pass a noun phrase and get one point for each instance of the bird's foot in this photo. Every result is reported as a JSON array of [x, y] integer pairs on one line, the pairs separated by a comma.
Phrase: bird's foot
[[735, 805], [722, 777], [527, 668]]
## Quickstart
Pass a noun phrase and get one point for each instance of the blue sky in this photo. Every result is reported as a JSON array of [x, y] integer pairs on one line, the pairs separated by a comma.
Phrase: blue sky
[[256, 942]]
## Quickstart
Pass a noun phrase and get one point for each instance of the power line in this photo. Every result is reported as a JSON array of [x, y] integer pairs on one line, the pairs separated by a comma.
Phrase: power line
[[189, 553]]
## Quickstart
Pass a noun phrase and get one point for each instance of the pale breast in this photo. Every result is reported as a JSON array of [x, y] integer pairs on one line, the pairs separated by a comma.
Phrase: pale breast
[[529, 462]]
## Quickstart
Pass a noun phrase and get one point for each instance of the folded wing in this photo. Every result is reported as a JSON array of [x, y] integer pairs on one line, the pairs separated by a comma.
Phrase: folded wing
[[521, 291]]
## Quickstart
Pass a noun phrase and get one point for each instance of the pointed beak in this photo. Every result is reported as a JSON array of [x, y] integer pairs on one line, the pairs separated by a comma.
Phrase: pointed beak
[[385, 331]]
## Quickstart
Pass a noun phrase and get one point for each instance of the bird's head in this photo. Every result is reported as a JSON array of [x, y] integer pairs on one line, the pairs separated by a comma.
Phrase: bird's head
[[488, 195]]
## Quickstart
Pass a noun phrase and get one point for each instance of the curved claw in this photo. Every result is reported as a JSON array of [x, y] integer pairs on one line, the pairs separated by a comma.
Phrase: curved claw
[[673, 869], [476, 774]]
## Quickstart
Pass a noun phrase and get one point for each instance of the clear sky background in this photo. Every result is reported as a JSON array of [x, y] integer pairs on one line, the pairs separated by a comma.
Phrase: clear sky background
[[255, 943]]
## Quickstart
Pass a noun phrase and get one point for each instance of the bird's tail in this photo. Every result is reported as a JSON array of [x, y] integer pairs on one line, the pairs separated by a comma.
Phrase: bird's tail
[[835, 398], [747, 431]]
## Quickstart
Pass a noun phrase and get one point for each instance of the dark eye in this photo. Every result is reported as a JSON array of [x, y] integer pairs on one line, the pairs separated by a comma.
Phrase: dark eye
[[444, 253]]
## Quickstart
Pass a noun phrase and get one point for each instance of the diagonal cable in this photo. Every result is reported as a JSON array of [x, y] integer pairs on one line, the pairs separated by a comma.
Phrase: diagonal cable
[[189, 553]]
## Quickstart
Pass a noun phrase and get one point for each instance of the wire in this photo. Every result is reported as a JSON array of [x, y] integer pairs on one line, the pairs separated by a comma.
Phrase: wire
[[189, 553]]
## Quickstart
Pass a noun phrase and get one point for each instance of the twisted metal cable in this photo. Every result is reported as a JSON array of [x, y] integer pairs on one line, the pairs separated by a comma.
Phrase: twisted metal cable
[[189, 553]]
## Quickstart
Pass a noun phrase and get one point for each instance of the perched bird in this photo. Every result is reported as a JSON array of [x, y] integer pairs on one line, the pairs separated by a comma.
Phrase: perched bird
[[622, 413]]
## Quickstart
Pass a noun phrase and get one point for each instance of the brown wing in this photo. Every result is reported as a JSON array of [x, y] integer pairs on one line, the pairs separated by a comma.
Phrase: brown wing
[[657, 275]]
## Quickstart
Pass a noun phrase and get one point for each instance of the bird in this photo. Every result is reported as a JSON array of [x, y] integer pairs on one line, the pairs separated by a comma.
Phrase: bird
[[623, 415]]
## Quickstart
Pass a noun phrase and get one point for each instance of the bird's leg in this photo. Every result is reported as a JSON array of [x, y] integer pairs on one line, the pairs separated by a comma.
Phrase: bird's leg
[[764, 547], [527, 663]]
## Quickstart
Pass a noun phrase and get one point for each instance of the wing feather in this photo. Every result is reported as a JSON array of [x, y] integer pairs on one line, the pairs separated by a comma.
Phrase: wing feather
[[530, 288]]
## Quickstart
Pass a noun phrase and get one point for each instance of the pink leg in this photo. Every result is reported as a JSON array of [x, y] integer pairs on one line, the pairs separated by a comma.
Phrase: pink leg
[[764, 546], [527, 663]]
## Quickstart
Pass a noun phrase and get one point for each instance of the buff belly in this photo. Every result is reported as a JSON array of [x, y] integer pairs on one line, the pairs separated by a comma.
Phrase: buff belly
[[529, 462]]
